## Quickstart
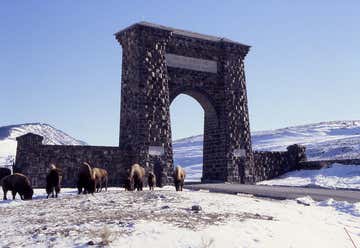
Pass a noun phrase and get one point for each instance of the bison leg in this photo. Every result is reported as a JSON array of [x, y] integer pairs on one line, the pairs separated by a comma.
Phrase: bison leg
[[79, 187], [5, 192], [57, 190], [135, 186], [13, 192], [99, 186], [139, 185]]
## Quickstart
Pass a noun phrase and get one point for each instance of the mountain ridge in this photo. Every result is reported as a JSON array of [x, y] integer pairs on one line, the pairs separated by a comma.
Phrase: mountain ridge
[[52, 136]]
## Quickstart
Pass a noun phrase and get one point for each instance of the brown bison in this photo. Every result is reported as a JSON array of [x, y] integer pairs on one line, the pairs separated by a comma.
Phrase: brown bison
[[4, 172], [135, 179], [86, 180], [151, 180], [53, 180], [17, 183], [179, 178], [101, 178]]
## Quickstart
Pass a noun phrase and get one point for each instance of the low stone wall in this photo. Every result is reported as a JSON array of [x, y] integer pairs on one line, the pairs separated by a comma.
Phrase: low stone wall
[[274, 164], [33, 159], [318, 164]]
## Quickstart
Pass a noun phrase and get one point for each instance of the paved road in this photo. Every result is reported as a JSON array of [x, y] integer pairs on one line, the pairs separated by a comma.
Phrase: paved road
[[280, 192]]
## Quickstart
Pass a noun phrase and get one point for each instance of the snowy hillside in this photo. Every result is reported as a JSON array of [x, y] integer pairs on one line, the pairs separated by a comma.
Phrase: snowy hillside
[[52, 136], [325, 140]]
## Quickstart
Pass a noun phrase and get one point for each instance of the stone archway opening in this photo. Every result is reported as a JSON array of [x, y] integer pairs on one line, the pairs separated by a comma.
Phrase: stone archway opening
[[193, 118], [187, 131]]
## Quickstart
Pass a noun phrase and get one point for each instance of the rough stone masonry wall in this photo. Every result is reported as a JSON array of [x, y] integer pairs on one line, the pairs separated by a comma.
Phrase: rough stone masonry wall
[[33, 159], [274, 164], [145, 119], [149, 84]]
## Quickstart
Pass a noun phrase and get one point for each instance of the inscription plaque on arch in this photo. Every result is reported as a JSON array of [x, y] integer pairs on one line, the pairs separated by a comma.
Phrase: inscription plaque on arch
[[156, 150], [240, 153], [191, 63]]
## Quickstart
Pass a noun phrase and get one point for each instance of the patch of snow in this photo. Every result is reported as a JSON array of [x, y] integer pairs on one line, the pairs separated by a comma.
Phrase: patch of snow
[[306, 200], [342, 206], [335, 176], [163, 218]]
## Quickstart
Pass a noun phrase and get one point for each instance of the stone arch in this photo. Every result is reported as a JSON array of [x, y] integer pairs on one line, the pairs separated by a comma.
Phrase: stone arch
[[161, 62], [202, 98], [211, 124]]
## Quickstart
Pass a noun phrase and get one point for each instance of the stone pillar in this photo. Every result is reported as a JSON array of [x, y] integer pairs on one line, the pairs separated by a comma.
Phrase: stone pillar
[[295, 154], [145, 116], [28, 155], [27, 145], [239, 154]]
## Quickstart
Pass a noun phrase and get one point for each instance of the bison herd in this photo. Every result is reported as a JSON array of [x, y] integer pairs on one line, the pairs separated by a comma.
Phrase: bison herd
[[89, 180]]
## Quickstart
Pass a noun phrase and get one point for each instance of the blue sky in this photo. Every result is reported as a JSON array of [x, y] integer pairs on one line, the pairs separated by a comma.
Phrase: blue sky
[[61, 65]]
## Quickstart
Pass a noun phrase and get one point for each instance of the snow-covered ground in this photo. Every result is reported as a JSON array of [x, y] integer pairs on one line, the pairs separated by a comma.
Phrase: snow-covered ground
[[52, 136], [335, 176], [164, 218]]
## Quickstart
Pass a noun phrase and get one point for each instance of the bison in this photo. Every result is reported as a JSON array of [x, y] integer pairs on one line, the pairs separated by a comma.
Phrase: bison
[[4, 172], [53, 180], [179, 178], [86, 180], [135, 179], [101, 178], [151, 180], [17, 183]]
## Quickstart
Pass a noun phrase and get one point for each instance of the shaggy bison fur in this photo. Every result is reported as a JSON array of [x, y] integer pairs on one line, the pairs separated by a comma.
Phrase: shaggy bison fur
[[17, 183], [4, 172], [86, 180], [151, 180], [135, 179], [101, 178], [53, 180], [179, 178]]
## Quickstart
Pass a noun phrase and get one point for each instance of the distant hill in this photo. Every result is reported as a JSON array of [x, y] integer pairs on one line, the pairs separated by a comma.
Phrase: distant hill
[[52, 136], [325, 140]]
